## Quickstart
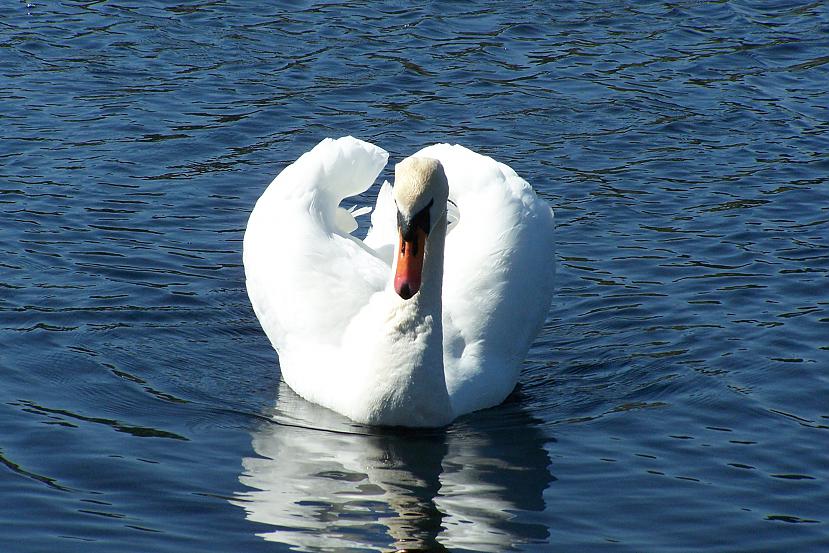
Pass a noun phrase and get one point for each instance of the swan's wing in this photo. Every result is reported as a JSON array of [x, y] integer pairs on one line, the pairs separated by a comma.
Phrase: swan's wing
[[498, 276], [382, 236], [307, 277]]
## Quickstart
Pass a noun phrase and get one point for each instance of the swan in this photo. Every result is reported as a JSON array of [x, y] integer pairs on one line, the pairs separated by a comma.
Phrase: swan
[[426, 319]]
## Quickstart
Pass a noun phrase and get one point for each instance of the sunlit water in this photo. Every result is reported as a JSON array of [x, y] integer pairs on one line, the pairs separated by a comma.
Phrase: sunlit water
[[676, 400]]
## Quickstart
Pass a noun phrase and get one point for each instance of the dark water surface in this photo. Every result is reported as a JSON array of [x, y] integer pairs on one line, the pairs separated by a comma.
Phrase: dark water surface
[[676, 400]]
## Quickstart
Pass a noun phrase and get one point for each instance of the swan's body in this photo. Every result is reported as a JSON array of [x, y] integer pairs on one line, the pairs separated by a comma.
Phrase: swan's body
[[333, 306]]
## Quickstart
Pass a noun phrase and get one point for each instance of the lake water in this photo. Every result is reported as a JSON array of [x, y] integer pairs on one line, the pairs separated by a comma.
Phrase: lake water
[[676, 400]]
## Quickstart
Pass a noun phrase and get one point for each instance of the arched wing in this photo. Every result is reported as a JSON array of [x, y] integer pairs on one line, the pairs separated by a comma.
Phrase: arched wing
[[498, 275], [307, 277]]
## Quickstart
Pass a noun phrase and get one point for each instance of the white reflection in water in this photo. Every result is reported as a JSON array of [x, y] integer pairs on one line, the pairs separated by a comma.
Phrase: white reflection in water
[[337, 485]]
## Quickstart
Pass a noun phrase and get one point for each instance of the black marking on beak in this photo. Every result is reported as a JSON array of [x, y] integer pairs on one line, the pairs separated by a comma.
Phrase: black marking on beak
[[408, 226]]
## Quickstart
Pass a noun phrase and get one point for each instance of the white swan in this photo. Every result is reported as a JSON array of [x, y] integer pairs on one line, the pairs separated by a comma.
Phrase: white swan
[[418, 323]]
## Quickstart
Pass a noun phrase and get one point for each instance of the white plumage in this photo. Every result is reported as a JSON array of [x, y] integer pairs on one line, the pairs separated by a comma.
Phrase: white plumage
[[327, 301]]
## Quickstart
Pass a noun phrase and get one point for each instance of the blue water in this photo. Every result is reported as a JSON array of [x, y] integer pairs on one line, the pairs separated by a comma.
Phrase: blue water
[[677, 399]]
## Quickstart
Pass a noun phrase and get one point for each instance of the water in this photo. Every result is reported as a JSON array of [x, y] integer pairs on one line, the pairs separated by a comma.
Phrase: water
[[676, 400]]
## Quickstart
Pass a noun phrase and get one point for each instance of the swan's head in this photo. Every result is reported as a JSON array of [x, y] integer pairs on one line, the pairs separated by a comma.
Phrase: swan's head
[[420, 192]]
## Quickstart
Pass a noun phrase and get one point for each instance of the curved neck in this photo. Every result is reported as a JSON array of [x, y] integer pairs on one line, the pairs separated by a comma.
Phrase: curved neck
[[406, 382], [431, 291]]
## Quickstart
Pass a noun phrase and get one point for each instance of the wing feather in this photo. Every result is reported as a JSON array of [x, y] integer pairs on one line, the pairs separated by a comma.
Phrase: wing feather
[[382, 236]]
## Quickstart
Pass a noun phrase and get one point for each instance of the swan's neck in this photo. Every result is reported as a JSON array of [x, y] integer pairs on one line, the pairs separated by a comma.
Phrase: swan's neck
[[430, 297], [407, 380]]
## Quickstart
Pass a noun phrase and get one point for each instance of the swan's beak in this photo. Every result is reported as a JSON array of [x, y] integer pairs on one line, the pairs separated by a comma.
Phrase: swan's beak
[[409, 263]]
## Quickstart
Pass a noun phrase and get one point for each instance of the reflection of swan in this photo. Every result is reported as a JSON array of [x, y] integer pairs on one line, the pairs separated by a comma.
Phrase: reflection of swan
[[385, 331], [334, 488]]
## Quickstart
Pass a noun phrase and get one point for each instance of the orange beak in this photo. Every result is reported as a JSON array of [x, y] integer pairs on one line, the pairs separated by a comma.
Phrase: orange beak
[[410, 264]]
